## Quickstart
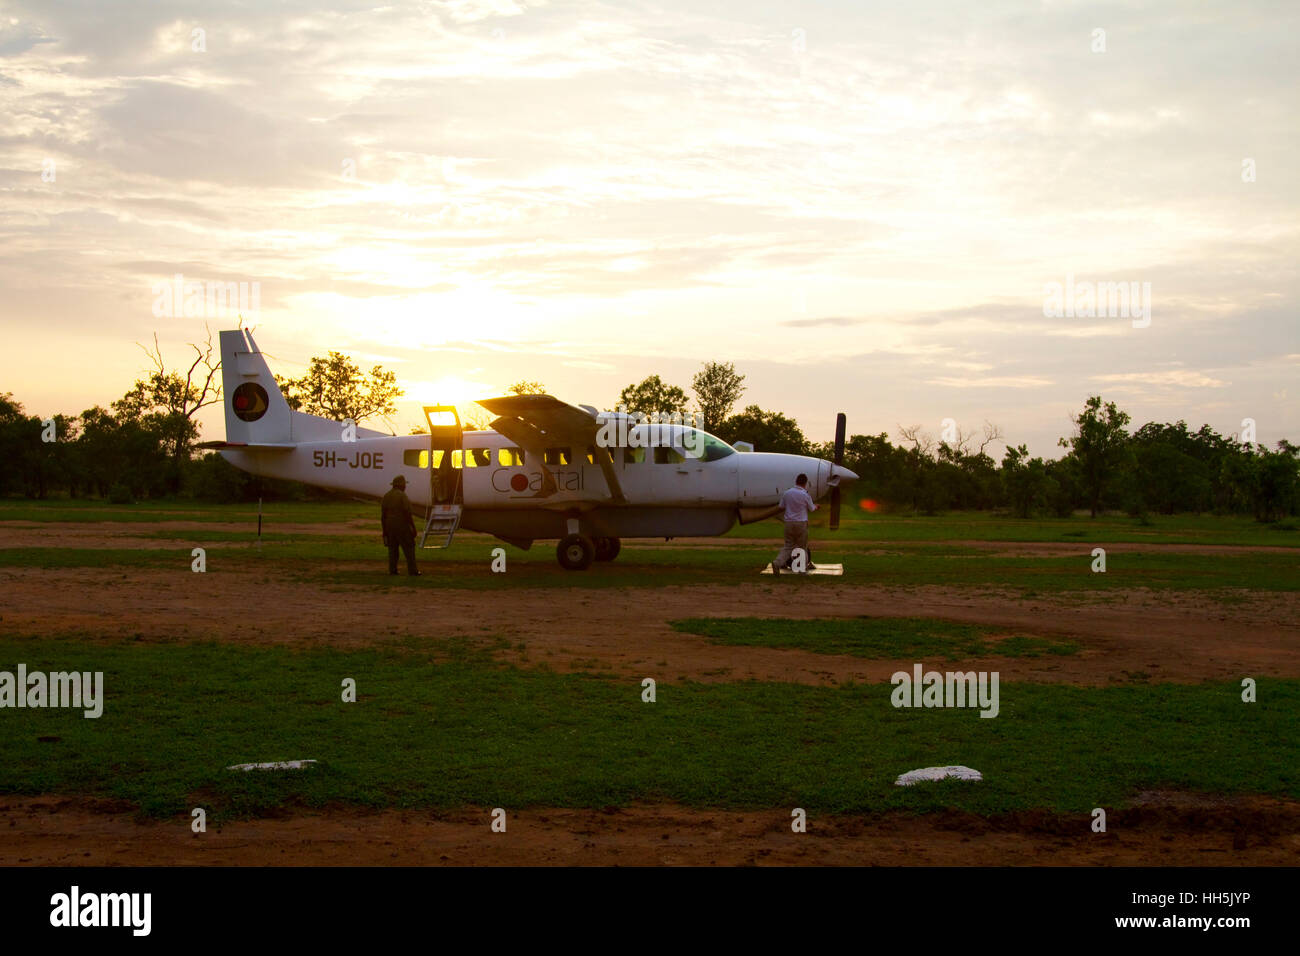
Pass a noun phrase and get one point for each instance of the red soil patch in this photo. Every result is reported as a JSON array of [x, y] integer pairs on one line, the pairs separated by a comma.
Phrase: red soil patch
[[1254, 831]]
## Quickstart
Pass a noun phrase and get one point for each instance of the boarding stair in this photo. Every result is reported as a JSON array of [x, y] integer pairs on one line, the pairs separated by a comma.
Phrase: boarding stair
[[441, 526]]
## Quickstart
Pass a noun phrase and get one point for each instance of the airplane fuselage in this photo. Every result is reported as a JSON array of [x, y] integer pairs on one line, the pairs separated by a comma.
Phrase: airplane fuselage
[[506, 493]]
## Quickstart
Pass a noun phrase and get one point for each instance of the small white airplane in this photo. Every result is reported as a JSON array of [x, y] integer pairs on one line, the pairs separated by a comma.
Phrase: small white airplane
[[544, 470]]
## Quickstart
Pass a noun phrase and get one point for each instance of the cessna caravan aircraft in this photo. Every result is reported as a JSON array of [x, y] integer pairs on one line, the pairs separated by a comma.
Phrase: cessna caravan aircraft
[[544, 470]]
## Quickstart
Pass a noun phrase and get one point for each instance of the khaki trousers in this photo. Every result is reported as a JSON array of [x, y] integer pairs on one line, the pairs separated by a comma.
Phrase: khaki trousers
[[796, 536]]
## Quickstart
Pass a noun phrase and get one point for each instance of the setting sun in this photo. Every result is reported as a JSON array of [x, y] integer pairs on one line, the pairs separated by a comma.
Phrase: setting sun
[[453, 390]]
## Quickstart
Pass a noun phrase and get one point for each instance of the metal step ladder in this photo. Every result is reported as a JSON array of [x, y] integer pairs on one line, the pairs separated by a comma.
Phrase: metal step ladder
[[442, 524]]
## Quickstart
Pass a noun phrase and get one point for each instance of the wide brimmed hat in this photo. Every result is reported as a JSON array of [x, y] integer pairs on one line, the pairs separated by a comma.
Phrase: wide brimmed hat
[[399, 481]]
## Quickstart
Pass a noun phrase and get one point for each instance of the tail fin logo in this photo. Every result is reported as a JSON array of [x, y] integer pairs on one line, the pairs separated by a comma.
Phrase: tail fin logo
[[250, 402]]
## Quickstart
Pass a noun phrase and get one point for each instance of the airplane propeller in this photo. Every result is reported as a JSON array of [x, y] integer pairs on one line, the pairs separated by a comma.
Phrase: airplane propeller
[[840, 421]]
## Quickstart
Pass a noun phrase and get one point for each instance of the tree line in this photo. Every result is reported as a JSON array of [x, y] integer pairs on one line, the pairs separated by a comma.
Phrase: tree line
[[144, 445]]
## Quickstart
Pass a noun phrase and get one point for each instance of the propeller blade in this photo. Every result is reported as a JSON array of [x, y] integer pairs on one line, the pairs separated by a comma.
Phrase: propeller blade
[[840, 423]]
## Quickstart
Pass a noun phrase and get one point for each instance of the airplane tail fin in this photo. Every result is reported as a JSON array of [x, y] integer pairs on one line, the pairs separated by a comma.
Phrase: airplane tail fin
[[256, 410]]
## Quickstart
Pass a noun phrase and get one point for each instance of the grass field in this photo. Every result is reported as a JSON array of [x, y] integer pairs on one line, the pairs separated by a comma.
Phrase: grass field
[[857, 524], [443, 726]]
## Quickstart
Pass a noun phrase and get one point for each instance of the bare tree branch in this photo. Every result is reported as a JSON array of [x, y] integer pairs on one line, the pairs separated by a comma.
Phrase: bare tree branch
[[922, 443], [992, 433]]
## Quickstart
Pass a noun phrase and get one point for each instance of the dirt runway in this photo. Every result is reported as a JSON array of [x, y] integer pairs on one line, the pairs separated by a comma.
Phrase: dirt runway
[[1254, 831], [1166, 636]]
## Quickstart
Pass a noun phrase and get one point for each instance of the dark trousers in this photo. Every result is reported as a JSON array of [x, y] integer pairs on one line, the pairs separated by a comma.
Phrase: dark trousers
[[408, 548]]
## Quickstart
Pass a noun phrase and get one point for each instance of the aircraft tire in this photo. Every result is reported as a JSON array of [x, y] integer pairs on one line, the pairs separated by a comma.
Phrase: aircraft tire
[[575, 552], [607, 548]]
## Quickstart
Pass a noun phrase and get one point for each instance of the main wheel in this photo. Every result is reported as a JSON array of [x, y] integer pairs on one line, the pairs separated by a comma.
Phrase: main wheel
[[607, 548], [575, 552]]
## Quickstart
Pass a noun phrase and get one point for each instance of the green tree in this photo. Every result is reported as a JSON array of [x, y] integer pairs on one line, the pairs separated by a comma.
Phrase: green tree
[[31, 464], [120, 450], [1168, 475], [335, 388], [766, 431], [1028, 485], [1099, 445], [1063, 491], [717, 389], [652, 396], [1274, 481], [166, 402], [13, 439]]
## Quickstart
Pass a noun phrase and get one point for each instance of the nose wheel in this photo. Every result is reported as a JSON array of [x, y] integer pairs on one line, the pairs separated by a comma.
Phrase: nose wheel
[[575, 552]]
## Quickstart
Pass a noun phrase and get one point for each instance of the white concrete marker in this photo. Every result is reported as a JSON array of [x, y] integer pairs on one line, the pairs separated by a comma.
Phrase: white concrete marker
[[937, 773], [835, 569], [281, 765]]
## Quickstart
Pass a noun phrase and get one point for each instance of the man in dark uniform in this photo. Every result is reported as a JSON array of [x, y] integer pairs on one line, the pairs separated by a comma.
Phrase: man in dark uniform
[[399, 526]]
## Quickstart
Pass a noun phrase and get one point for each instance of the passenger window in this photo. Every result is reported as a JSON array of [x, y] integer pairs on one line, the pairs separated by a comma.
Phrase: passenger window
[[557, 456], [668, 456], [437, 457], [416, 457], [482, 456], [633, 456], [461, 459], [510, 457]]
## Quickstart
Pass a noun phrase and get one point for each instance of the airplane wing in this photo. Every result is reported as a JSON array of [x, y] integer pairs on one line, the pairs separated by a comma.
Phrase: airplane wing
[[536, 422]]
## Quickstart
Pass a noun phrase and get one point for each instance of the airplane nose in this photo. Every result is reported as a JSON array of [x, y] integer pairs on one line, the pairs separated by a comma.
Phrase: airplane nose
[[841, 474]]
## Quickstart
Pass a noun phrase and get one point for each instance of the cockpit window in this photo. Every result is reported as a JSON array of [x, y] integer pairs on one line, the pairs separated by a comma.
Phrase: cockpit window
[[703, 446], [686, 443]]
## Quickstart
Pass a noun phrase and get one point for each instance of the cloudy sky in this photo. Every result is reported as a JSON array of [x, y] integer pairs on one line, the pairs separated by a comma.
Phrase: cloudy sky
[[860, 204]]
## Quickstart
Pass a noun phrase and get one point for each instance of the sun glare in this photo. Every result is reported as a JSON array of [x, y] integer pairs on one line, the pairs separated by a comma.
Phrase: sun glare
[[452, 390], [448, 390]]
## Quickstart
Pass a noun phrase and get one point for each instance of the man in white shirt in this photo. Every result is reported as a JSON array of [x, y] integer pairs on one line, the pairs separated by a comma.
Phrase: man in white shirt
[[795, 505]]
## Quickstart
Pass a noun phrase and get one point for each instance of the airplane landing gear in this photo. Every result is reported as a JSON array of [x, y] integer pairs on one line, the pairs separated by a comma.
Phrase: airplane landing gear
[[607, 548], [575, 552]]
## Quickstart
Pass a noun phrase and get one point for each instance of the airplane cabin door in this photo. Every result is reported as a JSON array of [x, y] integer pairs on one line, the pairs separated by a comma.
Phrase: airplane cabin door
[[445, 437]]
